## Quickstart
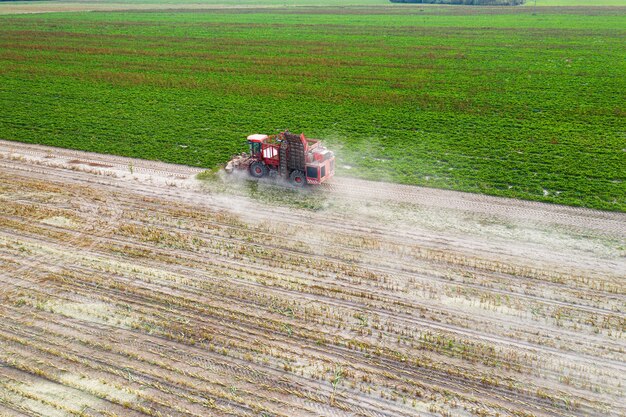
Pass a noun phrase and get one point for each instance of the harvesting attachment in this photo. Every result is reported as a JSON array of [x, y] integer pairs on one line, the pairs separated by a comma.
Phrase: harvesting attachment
[[294, 157]]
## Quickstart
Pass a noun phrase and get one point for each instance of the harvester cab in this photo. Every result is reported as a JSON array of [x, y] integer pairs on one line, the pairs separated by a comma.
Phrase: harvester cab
[[294, 157], [255, 142]]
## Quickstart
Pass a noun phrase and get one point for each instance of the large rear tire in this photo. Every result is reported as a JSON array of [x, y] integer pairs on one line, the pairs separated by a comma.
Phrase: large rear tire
[[297, 178], [258, 169]]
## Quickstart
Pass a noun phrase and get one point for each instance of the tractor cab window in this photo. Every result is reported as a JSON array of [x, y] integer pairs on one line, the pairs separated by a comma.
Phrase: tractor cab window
[[311, 172], [255, 148]]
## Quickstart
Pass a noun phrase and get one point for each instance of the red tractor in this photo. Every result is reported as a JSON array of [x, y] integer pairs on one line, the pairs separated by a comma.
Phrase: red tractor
[[296, 158]]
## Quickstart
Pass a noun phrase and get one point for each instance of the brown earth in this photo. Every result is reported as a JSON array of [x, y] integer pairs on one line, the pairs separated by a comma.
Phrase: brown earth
[[60, 6], [22, 7], [129, 288]]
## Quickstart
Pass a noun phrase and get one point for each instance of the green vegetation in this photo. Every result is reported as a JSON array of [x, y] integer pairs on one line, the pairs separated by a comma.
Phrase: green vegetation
[[504, 101], [621, 3], [466, 2]]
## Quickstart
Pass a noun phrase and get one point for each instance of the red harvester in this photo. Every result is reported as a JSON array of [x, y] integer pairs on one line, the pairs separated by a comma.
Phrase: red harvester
[[291, 156]]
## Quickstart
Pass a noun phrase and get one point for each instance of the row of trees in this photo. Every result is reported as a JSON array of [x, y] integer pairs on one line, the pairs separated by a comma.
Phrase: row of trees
[[466, 2]]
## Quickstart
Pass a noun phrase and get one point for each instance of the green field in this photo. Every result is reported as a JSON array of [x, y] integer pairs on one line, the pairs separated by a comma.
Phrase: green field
[[504, 101]]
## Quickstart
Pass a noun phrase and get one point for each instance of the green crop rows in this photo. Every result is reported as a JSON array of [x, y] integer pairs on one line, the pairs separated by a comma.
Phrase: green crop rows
[[511, 102]]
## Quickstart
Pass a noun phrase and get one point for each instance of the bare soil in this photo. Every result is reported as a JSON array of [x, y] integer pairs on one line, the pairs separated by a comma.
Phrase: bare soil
[[131, 288], [24, 7]]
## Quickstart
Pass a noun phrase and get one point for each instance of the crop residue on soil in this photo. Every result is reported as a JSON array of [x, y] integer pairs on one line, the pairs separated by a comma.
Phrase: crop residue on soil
[[150, 292]]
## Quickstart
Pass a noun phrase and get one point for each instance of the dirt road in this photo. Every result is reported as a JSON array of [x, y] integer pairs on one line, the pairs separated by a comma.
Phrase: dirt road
[[129, 287]]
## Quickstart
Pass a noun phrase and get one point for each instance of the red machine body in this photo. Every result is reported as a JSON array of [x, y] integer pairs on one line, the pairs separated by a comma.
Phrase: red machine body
[[299, 159]]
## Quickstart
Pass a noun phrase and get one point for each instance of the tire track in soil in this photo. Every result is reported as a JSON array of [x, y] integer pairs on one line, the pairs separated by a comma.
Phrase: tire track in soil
[[261, 375], [390, 271], [442, 380], [610, 224], [373, 293]]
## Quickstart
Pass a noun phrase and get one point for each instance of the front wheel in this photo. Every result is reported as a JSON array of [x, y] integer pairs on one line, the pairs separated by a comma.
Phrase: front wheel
[[258, 169], [297, 178]]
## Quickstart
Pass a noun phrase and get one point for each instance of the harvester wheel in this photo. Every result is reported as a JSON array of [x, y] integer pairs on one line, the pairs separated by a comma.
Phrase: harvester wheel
[[258, 169], [297, 178]]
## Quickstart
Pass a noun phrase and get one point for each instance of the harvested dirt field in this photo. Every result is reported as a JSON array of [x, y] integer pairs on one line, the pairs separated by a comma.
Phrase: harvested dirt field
[[132, 288], [60, 6]]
